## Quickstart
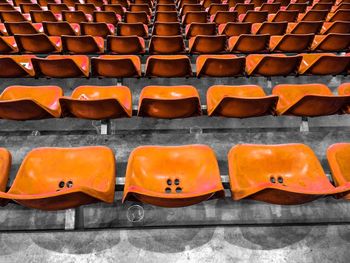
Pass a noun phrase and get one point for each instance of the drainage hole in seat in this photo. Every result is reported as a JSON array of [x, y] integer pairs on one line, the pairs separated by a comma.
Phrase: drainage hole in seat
[[61, 184], [177, 181], [169, 182], [280, 180], [69, 184], [178, 190], [272, 179], [168, 190]]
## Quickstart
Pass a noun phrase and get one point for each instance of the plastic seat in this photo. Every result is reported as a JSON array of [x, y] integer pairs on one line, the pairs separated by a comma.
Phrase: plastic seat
[[75, 17], [181, 3], [242, 8], [194, 17], [271, 8], [285, 174], [271, 28], [165, 2], [117, 9], [214, 8], [166, 29], [66, 186], [340, 15], [331, 43], [338, 159], [8, 45], [220, 65], [57, 8], [340, 27], [272, 65], [239, 101], [304, 27], [38, 43], [61, 28], [59, 66], [123, 3], [16, 66], [284, 16], [322, 6], [108, 17], [235, 29], [166, 45], [30, 102], [223, 17], [86, 8], [132, 29], [254, 17], [308, 100], [190, 8], [41, 16], [207, 44], [233, 3], [26, 8], [70, 3], [166, 7], [116, 66], [344, 89], [140, 8], [168, 66], [7, 7], [324, 64], [97, 29], [195, 29], [136, 17], [150, 3], [5, 166], [300, 7], [313, 15], [12, 16], [191, 175], [125, 45], [83, 44], [249, 43], [97, 3], [98, 102], [208, 3], [341, 6], [166, 16], [169, 102], [291, 43]]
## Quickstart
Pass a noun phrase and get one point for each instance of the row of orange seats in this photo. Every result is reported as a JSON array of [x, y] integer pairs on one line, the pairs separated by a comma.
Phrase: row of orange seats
[[201, 44], [287, 174], [107, 102], [172, 66]]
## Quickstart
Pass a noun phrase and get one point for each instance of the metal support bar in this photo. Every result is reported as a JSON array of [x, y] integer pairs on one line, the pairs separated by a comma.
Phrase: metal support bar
[[70, 219], [304, 125], [105, 127]]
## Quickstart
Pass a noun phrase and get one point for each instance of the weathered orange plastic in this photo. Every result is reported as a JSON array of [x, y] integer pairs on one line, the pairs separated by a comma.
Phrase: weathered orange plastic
[[6, 6], [61, 178], [41, 16], [214, 8], [220, 65], [169, 102], [207, 3], [308, 100], [338, 156], [341, 27], [16, 66], [195, 29], [166, 16], [118, 9], [97, 29], [136, 17], [194, 17], [83, 44], [166, 45], [242, 8], [305, 27], [140, 8], [254, 16], [285, 174], [108, 17], [125, 45], [98, 102], [248, 43], [203, 44], [191, 8], [61, 28], [12, 16], [272, 65], [339, 15], [123, 3], [333, 42], [271, 28], [235, 29], [172, 176], [74, 16], [284, 16], [166, 29], [26, 8], [291, 43], [116, 66], [57, 8], [239, 101], [324, 64], [62, 66], [86, 8], [271, 8], [313, 15], [223, 17], [8, 45], [344, 89], [165, 7], [5, 166], [38, 43], [22, 27], [169, 66], [132, 29], [30, 102]]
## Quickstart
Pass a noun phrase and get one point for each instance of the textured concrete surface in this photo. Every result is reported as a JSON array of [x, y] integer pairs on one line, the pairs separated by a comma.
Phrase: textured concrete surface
[[276, 244]]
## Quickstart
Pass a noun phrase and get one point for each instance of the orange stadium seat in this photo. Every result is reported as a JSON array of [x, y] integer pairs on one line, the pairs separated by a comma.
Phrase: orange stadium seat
[[166, 29], [264, 173], [166, 16], [16, 66], [13, 28], [57, 8], [98, 102], [249, 43], [284, 16], [340, 27], [168, 66], [125, 45], [271, 28], [207, 44], [8, 45], [308, 100], [70, 3], [344, 89], [5, 166], [223, 17], [26, 8], [305, 27], [191, 175], [332, 42], [340, 15], [75, 16], [208, 3], [38, 43], [130, 29], [117, 9], [169, 102], [235, 29], [166, 7], [137, 17], [195, 29], [300, 7], [313, 15], [7, 7], [41, 16], [194, 17], [61, 28], [86, 8], [214, 8], [220, 65], [291, 43], [123, 3], [116, 66], [82, 44], [166, 45], [191, 8], [242, 8], [181, 3], [108, 17], [141, 8], [59, 66], [13, 16], [97, 29], [239, 101], [67, 186], [97, 3], [30, 102], [254, 16], [322, 6], [324, 64], [271, 8]]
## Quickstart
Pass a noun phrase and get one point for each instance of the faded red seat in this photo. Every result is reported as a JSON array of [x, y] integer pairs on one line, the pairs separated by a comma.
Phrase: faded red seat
[[108, 17], [195, 29], [194, 17], [38, 43], [125, 45], [324, 64], [286, 174], [202, 44], [98, 102], [235, 29], [61, 28], [27, 27], [249, 43], [223, 17], [168, 66], [41, 16], [132, 29], [291, 43], [8, 45], [166, 29], [284, 16], [271, 28], [116, 66], [59, 66], [136, 17], [191, 175], [67, 186], [239, 101], [220, 65], [83, 44], [272, 65], [117, 9], [30, 102], [165, 7], [97, 29], [166, 16], [308, 100], [169, 102], [16, 66], [304, 27], [76, 16], [166, 45], [332, 42], [340, 27]]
